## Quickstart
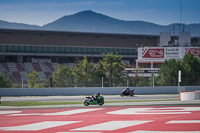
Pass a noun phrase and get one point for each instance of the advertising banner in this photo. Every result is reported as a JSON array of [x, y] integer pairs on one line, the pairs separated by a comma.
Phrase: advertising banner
[[153, 53], [172, 53], [194, 51]]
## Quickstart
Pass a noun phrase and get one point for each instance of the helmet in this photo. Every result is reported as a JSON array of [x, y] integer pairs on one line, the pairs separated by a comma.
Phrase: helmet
[[98, 94]]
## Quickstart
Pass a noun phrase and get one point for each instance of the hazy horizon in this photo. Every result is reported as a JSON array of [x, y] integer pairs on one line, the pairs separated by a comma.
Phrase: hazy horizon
[[41, 12]]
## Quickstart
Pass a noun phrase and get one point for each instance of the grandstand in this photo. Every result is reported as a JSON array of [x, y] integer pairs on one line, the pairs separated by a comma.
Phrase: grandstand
[[23, 51], [17, 71]]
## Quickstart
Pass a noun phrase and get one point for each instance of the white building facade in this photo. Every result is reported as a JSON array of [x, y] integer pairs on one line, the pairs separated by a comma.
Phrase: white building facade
[[150, 58], [157, 55]]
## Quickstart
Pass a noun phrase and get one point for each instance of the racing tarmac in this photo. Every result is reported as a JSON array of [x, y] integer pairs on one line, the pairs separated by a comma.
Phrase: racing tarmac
[[138, 100], [126, 119], [138, 114], [82, 98]]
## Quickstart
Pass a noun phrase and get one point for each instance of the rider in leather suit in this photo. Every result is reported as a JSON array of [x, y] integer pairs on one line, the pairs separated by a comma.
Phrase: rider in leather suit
[[96, 96]]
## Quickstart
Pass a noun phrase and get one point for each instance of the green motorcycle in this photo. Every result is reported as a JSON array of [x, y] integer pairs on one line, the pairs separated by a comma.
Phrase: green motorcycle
[[94, 101]]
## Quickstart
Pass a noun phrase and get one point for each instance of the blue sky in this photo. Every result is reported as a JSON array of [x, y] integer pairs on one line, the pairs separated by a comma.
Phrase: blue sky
[[40, 12]]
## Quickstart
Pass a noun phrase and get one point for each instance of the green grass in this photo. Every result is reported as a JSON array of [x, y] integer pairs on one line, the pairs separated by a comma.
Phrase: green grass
[[37, 103]]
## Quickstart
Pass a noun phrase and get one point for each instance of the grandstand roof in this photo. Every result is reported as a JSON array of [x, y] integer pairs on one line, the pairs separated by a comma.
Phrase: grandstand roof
[[63, 38], [72, 33]]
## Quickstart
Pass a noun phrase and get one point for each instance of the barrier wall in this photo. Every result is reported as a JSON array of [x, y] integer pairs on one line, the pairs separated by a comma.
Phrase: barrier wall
[[90, 91], [190, 95]]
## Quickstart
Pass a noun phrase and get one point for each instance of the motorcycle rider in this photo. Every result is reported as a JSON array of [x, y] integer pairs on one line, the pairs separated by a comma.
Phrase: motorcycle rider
[[127, 90], [96, 96]]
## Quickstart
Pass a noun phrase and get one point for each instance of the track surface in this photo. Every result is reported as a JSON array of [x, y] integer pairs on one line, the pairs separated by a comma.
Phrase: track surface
[[82, 98], [129, 119]]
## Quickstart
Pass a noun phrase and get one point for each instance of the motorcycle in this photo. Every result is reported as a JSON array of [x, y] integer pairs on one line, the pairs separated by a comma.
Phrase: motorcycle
[[94, 101], [126, 93]]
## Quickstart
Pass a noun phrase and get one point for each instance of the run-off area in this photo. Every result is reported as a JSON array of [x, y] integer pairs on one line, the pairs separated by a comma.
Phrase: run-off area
[[131, 119]]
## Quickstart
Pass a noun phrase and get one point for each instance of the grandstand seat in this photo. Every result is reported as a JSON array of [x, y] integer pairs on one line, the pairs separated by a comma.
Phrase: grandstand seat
[[16, 76], [23, 75], [41, 76], [55, 66], [2, 69], [47, 74], [71, 65], [45, 68], [29, 67], [12, 67], [49, 65], [37, 67], [20, 67], [5, 65]]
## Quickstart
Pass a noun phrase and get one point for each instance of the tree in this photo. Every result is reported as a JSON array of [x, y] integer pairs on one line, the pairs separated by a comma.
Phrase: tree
[[63, 77], [5, 81], [112, 67], [143, 82], [190, 70], [49, 82], [33, 79], [84, 73], [189, 67], [138, 80], [168, 73]]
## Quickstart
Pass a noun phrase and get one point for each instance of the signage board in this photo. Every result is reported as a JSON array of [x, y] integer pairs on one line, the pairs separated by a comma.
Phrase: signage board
[[151, 53]]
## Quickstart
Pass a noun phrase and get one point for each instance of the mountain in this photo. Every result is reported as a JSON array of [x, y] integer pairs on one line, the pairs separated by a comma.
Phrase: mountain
[[89, 21], [9, 25]]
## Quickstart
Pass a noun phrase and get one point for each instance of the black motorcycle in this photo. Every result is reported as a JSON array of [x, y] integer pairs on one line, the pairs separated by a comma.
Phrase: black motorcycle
[[126, 92]]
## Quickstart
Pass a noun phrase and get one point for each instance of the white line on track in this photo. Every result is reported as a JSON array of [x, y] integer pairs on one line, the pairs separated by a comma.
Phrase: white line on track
[[142, 131], [78, 132], [111, 125], [9, 112], [184, 121], [69, 112], [165, 110], [38, 126]]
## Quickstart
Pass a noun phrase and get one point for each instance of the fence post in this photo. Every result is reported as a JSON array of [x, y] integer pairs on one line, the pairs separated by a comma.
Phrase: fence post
[[22, 82], [49, 83], [102, 82], [153, 79]]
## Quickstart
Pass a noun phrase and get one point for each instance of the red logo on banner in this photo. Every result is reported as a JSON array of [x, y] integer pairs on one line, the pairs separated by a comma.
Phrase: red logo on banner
[[194, 51], [152, 53]]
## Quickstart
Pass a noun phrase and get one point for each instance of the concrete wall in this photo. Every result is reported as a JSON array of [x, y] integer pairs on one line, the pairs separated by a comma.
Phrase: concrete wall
[[190, 95], [90, 91]]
